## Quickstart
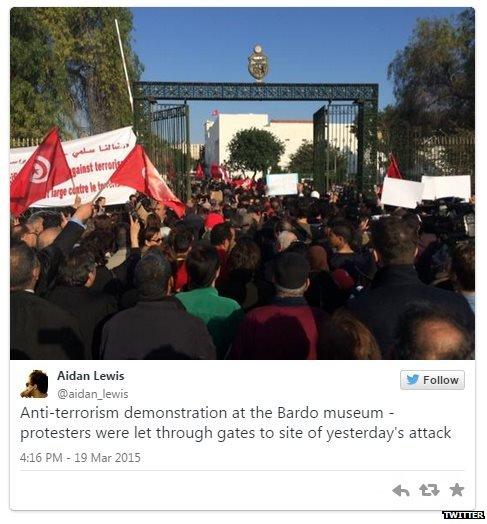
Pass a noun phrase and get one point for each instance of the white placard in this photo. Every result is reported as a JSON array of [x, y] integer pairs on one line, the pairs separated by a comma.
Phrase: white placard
[[92, 161], [429, 191], [282, 184], [446, 186], [401, 193]]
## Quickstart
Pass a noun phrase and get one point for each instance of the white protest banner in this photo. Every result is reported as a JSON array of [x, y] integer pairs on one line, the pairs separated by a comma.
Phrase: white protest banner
[[401, 193], [429, 191], [282, 184], [92, 161], [446, 186]]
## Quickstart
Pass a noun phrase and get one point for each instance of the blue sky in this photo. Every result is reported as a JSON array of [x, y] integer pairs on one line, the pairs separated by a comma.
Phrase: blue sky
[[303, 45]]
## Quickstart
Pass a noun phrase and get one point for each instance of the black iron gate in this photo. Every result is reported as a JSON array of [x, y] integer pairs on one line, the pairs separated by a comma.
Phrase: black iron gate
[[361, 100], [336, 145], [167, 142]]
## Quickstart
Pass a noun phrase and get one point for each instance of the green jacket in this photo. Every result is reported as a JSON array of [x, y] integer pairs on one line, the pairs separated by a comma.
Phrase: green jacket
[[221, 315]]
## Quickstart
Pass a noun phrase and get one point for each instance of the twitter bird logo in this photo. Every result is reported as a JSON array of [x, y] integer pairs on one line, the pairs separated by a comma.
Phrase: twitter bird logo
[[412, 379]]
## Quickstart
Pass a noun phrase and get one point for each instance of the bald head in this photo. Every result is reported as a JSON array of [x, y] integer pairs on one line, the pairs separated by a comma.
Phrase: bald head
[[439, 340], [427, 334], [47, 237]]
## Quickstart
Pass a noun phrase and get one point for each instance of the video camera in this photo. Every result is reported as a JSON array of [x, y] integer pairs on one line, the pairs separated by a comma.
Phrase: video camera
[[449, 218]]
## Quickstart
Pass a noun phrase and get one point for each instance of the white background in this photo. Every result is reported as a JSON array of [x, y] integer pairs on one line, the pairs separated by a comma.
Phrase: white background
[[249, 473], [281, 517]]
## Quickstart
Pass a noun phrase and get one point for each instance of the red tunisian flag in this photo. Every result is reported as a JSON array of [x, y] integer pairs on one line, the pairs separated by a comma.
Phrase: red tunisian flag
[[199, 173], [138, 172], [393, 169], [46, 168]]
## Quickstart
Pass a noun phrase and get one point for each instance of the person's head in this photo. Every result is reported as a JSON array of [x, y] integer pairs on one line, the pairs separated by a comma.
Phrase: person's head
[[47, 237], [160, 210], [153, 276], [425, 333], [24, 267], [21, 233], [100, 202], [340, 235], [463, 266], [79, 268], [222, 236], [133, 199], [317, 258], [151, 237], [35, 223], [285, 239], [394, 242], [181, 240], [244, 255], [103, 222], [344, 337], [36, 385], [100, 242], [153, 221], [291, 271], [202, 265]]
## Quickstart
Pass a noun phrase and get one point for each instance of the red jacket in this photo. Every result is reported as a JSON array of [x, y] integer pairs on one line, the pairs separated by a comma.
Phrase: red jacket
[[284, 330]]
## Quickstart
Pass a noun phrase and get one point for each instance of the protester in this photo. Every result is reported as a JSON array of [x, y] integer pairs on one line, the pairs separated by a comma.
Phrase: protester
[[426, 333], [178, 286], [39, 330], [221, 315], [157, 327], [463, 271], [180, 240], [396, 285], [344, 337], [287, 328], [222, 236], [76, 277]]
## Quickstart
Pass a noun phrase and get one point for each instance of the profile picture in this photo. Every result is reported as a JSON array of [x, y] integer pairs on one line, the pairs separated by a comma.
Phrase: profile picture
[[36, 385]]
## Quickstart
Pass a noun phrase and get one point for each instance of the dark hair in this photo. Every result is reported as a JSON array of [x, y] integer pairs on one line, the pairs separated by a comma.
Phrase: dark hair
[[153, 221], [18, 232], [463, 265], [39, 379], [50, 219], [147, 233], [244, 255], [181, 239], [77, 267], [395, 240], [344, 337], [202, 264], [99, 242], [343, 229], [23, 261], [152, 274], [103, 222], [220, 233], [416, 337]]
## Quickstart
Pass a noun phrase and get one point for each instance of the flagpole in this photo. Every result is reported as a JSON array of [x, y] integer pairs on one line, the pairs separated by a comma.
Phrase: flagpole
[[124, 67]]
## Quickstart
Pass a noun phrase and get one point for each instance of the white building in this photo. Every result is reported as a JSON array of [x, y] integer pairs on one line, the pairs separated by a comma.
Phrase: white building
[[220, 132]]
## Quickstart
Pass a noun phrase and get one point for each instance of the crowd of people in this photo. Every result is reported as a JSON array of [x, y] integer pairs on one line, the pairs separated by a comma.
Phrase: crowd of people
[[240, 276]]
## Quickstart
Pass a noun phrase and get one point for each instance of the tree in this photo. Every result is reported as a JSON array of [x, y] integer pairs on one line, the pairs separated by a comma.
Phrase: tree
[[255, 150], [434, 75], [301, 161], [66, 70]]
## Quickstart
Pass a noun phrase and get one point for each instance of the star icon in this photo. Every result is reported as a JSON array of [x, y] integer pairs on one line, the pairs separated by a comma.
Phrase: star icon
[[457, 490]]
